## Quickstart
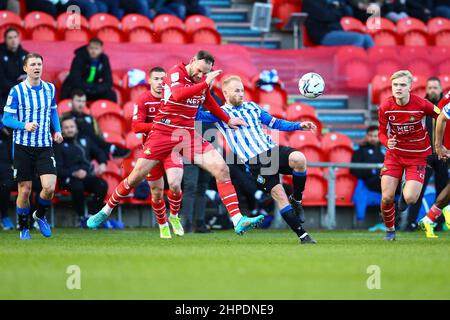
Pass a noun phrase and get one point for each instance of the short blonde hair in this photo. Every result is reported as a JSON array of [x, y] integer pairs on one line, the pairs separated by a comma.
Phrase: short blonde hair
[[229, 79], [403, 73]]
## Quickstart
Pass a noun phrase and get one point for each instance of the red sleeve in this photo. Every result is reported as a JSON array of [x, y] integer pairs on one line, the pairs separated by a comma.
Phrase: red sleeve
[[430, 109], [383, 123], [182, 93], [139, 124], [211, 105]]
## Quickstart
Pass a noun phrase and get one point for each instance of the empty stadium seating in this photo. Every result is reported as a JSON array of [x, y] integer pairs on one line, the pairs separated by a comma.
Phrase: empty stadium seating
[[202, 30], [138, 28], [40, 26], [106, 27], [170, 29], [73, 27], [337, 147]]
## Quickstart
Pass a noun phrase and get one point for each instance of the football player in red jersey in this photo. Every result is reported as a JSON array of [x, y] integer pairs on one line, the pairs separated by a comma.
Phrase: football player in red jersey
[[146, 107], [185, 88], [402, 130], [442, 147]]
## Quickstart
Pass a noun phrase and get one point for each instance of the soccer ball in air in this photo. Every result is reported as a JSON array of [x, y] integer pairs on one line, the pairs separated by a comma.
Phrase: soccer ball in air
[[311, 85]]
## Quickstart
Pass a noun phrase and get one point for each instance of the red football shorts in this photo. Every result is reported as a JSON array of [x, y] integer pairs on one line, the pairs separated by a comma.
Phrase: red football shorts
[[162, 144], [414, 168]]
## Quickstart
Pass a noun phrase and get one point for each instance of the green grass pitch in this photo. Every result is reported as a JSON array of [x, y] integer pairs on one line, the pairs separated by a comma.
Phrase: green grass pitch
[[136, 264]]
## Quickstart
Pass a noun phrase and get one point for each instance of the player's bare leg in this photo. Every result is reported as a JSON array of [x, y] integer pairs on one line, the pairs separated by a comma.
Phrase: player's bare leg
[[175, 195], [428, 222], [287, 212], [297, 161], [388, 186], [140, 171], [213, 162], [23, 208], [159, 207], [48, 182]]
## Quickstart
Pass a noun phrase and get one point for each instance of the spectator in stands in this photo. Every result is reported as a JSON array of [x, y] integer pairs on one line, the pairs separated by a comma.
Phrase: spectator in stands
[[370, 151], [6, 176], [143, 7], [434, 165], [11, 64], [441, 8], [10, 5], [364, 9], [91, 72], [394, 10], [55, 7], [75, 170], [324, 27], [87, 126], [420, 9]]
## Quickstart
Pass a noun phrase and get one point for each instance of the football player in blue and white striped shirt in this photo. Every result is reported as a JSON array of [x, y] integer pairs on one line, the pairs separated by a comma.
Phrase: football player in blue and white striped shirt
[[263, 158], [31, 112]]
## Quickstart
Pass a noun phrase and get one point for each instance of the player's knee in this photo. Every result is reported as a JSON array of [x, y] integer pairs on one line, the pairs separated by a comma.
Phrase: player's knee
[[411, 199], [175, 186], [222, 172], [25, 190], [298, 161], [157, 193], [48, 190], [387, 199]]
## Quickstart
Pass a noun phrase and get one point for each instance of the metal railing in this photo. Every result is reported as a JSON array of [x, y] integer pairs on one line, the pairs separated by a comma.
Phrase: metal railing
[[330, 219]]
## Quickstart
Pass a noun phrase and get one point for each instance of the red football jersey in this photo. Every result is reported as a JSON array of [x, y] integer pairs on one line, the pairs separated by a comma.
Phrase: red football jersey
[[145, 110], [407, 124], [181, 99], [445, 101]]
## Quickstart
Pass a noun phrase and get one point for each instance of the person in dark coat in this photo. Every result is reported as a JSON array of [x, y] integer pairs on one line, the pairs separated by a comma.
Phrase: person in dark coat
[[75, 170], [11, 63], [91, 72]]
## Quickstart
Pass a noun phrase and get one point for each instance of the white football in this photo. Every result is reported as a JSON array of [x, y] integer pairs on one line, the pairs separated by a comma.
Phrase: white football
[[311, 85]]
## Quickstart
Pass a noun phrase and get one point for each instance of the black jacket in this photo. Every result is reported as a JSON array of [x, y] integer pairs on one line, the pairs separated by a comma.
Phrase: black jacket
[[368, 154], [11, 67], [5, 153], [79, 73], [75, 154], [323, 17]]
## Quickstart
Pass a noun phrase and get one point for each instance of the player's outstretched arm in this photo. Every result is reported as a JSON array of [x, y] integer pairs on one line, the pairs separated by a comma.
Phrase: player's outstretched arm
[[279, 124], [206, 117]]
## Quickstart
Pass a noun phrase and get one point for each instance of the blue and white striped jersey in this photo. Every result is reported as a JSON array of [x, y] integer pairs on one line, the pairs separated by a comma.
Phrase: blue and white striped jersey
[[446, 110], [248, 142], [32, 104]]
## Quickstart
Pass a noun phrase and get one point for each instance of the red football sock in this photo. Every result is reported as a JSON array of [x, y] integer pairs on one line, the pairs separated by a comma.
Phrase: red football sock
[[121, 191], [174, 201], [229, 197], [159, 208], [388, 212], [434, 213]]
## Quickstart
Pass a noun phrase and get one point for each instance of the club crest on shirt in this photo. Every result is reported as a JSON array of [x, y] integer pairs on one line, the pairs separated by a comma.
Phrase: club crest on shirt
[[412, 118], [147, 152], [384, 168], [174, 77]]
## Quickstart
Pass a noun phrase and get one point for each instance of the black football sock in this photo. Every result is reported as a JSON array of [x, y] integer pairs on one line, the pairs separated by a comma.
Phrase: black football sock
[[299, 179], [43, 205], [292, 220], [22, 217]]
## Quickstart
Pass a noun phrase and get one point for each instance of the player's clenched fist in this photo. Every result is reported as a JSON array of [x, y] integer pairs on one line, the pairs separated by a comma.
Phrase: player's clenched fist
[[212, 75], [235, 122], [308, 125], [58, 137], [392, 142], [31, 126]]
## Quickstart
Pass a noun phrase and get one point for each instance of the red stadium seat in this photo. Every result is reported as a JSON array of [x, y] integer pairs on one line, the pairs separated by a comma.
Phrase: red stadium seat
[[445, 81], [345, 187], [106, 27], [338, 147], [439, 54], [170, 29], [128, 112], [308, 143], [73, 27], [133, 140], [413, 31], [202, 29], [419, 85], [379, 83], [101, 107], [138, 28], [113, 180], [127, 166], [279, 137], [40, 26], [439, 30], [136, 91], [384, 33], [297, 110], [112, 167], [64, 106], [316, 188], [10, 19], [112, 122], [282, 9], [352, 24], [276, 100], [115, 138], [417, 60], [444, 67], [274, 109]]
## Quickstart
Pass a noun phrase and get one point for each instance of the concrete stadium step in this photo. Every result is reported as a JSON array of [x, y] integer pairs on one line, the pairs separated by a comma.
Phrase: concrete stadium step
[[255, 42], [236, 29], [216, 3], [323, 102], [230, 14]]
